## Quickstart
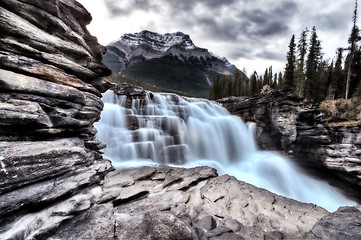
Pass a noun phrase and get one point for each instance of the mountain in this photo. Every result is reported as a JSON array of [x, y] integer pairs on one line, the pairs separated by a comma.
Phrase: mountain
[[168, 60]]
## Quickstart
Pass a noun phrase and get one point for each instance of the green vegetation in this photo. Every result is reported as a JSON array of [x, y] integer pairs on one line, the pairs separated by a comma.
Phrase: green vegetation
[[118, 78]]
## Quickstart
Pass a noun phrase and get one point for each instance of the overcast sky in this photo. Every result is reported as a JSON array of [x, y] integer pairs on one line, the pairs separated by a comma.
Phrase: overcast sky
[[251, 33]]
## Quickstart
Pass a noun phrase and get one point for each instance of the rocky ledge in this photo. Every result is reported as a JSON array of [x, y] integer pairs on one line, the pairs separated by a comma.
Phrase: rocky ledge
[[287, 123], [176, 203]]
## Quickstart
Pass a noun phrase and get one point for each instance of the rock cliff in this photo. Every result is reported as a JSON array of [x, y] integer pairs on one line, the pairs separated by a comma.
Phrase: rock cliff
[[50, 96], [285, 122], [55, 183]]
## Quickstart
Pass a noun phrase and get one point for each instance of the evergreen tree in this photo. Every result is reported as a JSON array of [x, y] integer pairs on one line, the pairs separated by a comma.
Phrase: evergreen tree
[[274, 82], [353, 39], [356, 76], [300, 69], [253, 87], [246, 87], [312, 64], [216, 90], [265, 78], [324, 75], [227, 86], [280, 81], [291, 64], [337, 84], [270, 76], [260, 82], [237, 84]]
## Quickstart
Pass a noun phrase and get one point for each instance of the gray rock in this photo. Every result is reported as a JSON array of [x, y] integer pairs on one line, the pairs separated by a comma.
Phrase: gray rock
[[345, 224], [227, 236], [151, 225], [207, 223], [209, 206], [129, 90], [96, 223]]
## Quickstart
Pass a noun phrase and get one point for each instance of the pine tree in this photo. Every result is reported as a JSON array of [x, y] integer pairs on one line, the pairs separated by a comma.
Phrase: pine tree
[[253, 87], [246, 87], [337, 85], [280, 81], [301, 56], [356, 76], [216, 90], [291, 64], [270, 75], [260, 82], [324, 74], [353, 39], [265, 78], [237, 84], [312, 64], [227, 83]]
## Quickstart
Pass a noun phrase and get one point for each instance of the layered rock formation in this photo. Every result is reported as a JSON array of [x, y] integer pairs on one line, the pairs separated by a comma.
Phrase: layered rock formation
[[285, 122], [50, 96]]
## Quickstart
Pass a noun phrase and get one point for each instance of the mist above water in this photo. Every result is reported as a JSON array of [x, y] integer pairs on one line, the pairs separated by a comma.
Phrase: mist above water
[[189, 132]]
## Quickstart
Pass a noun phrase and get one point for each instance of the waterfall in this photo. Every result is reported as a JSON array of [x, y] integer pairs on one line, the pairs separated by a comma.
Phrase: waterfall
[[189, 132]]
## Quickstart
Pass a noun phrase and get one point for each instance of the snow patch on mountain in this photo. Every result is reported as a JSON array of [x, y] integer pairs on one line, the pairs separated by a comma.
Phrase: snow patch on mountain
[[159, 42]]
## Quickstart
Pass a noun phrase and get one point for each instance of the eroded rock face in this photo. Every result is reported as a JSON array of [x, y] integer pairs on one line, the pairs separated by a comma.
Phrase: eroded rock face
[[286, 123], [50, 96], [345, 223]]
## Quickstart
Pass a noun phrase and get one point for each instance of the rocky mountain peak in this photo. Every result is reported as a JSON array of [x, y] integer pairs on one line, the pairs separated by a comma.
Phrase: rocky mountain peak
[[158, 42], [169, 60]]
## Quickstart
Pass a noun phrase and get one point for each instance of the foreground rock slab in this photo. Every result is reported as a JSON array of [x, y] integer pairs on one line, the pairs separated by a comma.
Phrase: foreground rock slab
[[177, 203]]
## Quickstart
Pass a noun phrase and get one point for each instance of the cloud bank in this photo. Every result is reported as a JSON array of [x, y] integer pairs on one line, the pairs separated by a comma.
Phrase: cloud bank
[[241, 30]]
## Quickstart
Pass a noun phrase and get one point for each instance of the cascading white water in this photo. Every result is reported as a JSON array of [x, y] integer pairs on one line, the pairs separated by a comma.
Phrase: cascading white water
[[168, 129]]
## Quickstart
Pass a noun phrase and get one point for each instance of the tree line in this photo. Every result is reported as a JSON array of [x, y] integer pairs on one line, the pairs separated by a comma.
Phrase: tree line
[[241, 85], [307, 73]]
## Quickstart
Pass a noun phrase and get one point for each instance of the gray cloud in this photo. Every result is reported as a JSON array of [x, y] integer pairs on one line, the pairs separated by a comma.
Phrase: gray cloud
[[271, 55], [125, 8], [244, 28]]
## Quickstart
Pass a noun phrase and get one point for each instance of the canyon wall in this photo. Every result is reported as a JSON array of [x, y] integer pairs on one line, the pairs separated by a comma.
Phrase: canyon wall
[[287, 123]]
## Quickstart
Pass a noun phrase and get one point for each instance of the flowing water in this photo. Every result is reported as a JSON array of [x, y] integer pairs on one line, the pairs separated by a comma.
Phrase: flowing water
[[189, 132]]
